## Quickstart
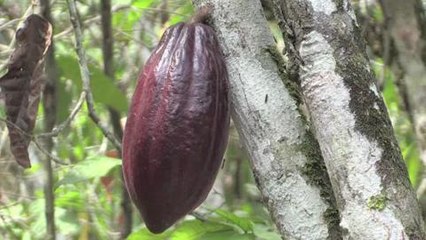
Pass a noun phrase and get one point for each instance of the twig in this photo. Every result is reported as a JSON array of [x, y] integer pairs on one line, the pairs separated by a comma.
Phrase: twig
[[3, 138], [88, 21], [199, 216], [13, 41], [45, 152], [161, 10], [33, 139], [10, 23], [84, 70], [70, 29], [55, 132]]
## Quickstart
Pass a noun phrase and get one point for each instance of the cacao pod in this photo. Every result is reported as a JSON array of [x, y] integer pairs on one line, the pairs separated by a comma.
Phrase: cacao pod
[[177, 127]]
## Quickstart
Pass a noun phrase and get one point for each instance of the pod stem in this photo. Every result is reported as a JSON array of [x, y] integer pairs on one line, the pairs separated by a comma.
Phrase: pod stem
[[203, 14]]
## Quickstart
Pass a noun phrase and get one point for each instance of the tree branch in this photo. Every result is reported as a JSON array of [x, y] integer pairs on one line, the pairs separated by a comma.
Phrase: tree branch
[[375, 198], [108, 55], [35, 140], [55, 132], [285, 158], [49, 104], [84, 70]]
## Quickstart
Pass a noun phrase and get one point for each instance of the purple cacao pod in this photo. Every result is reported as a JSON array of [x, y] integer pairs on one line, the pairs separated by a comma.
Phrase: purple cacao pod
[[177, 127]]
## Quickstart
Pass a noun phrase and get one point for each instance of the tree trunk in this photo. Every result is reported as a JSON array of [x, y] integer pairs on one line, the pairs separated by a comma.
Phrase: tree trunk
[[285, 159], [49, 105], [374, 195], [405, 22], [108, 57]]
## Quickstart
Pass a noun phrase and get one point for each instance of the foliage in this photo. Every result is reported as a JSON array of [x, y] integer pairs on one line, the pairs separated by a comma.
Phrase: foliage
[[220, 225]]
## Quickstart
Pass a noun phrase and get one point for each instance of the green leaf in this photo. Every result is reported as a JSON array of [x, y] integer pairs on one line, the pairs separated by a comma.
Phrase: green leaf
[[91, 168], [194, 229], [243, 223], [123, 2], [65, 222], [390, 92], [2, 111], [183, 13], [64, 98], [38, 223], [145, 234], [265, 232], [229, 234], [69, 67], [103, 88], [142, 3], [70, 199], [26, 236], [412, 158], [105, 91], [124, 21]]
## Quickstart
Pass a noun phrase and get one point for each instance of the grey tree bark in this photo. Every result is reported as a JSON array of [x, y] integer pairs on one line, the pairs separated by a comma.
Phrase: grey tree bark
[[369, 178], [285, 158]]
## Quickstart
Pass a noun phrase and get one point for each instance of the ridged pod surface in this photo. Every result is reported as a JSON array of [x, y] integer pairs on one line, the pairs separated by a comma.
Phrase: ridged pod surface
[[177, 127]]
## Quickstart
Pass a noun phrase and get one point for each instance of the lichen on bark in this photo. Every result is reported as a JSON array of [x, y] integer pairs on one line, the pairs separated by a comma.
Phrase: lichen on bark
[[350, 119], [316, 172], [314, 169], [269, 123]]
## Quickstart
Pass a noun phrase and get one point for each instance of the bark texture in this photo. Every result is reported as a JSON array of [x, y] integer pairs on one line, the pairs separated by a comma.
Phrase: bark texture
[[285, 158], [374, 196]]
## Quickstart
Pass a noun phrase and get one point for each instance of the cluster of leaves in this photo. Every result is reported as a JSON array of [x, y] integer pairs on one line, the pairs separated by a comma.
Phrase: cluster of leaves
[[87, 203], [220, 225]]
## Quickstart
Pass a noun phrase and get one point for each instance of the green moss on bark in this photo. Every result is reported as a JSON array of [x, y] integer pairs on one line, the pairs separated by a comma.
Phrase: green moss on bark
[[371, 117], [314, 170], [292, 87], [377, 202]]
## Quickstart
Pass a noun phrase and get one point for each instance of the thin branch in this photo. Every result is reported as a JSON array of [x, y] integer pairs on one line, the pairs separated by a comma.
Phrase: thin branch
[[55, 132], [50, 106], [84, 70], [90, 20], [34, 139], [10, 23], [13, 41], [3, 138], [45, 152]]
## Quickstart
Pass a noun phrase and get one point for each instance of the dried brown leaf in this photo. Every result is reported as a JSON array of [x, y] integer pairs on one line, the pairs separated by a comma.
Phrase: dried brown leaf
[[23, 83]]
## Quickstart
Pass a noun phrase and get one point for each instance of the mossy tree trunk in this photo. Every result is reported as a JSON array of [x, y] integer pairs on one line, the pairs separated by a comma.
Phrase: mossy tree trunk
[[369, 178], [285, 158]]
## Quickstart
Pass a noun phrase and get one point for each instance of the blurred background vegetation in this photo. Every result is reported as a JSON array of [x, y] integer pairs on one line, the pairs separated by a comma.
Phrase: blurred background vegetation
[[88, 189]]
